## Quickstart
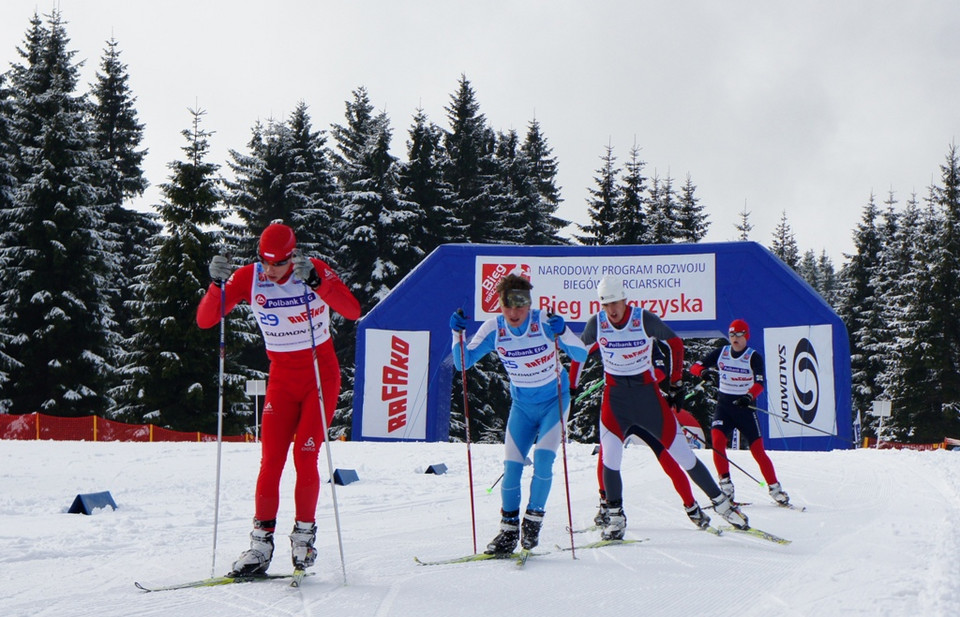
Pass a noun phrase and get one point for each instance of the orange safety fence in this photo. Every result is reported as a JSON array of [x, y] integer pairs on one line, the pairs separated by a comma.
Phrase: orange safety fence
[[94, 428], [871, 442]]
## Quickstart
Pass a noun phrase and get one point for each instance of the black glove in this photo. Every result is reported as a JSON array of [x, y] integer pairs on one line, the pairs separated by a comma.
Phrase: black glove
[[677, 394], [303, 268], [743, 401], [574, 391]]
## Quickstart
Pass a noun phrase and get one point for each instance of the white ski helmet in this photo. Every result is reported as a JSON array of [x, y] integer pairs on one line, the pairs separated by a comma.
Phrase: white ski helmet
[[610, 289]]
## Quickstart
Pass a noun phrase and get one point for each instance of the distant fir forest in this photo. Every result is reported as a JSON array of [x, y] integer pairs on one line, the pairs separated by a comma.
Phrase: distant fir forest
[[98, 300]]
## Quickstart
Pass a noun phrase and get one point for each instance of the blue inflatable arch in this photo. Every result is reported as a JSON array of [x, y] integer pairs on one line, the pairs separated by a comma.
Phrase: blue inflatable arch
[[404, 368]]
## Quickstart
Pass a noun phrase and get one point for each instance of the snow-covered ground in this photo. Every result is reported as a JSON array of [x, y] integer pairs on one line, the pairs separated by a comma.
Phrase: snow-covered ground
[[881, 536]]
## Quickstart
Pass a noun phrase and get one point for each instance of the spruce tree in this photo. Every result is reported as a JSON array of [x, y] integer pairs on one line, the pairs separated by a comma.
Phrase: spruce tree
[[744, 227], [784, 243], [932, 410], [173, 368], [118, 134], [54, 313], [470, 168], [421, 181], [859, 307], [515, 192], [376, 247], [662, 212], [692, 221], [897, 280], [543, 170], [603, 202], [8, 186], [630, 219]]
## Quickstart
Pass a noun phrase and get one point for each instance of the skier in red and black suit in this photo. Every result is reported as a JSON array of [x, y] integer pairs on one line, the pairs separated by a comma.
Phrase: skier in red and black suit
[[741, 378], [662, 363], [276, 287], [632, 398]]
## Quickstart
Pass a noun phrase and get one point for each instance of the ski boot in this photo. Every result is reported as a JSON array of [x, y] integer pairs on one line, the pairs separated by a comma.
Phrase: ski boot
[[697, 516], [779, 495], [530, 529], [616, 523], [603, 514], [726, 486], [255, 560], [302, 551], [506, 540], [725, 508]]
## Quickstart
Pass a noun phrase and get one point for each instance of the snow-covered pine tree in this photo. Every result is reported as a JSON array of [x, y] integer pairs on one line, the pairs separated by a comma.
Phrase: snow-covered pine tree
[[7, 188], [377, 248], [471, 168], [629, 216], [662, 211], [543, 169], [312, 188], [859, 308], [829, 284], [376, 244], [421, 181], [515, 192], [784, 243], [807, 268], [603, 202], [173, 368], [931, 409], [54, 310], [896, 281], [692, 220], [118, 135], [744, 227]]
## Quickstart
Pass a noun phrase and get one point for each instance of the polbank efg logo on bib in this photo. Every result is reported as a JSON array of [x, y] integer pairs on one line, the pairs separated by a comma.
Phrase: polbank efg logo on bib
[[806, 380]]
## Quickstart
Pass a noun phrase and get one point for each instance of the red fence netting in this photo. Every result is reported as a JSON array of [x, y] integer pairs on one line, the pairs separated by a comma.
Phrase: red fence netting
[[95, 428]]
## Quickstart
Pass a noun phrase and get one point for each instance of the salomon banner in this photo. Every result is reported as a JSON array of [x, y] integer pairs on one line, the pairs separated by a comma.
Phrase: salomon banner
[[800, 381], [674, 287], [395, 384]]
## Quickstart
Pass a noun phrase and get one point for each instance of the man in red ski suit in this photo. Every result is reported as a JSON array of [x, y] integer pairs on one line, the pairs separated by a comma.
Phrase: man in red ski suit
[[740, 374], [279, 288]]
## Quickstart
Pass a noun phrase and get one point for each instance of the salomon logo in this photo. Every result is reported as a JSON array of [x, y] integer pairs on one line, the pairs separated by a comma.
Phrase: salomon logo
[[806, 380]]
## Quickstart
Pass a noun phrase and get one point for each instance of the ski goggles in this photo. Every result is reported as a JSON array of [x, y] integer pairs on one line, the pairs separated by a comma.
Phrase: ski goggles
[[737, 333], [516, 298], [275, 264]]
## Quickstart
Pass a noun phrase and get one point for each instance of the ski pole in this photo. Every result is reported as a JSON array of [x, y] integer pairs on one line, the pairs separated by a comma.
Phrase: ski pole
[[466, 421], [563, 442], [720, 454], [689, 433], [495, 483], [223, 347], [326, 430], [786, 418]]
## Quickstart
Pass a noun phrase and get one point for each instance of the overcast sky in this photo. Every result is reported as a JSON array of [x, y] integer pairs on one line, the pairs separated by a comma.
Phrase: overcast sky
[[800, 107]]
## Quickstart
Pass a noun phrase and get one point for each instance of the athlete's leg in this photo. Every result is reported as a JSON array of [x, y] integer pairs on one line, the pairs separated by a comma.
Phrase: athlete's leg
[[280, 413], [670, 467], [520, 434]]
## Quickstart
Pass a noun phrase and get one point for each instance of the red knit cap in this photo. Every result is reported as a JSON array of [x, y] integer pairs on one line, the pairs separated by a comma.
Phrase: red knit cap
[[739, 325], [277, 242]]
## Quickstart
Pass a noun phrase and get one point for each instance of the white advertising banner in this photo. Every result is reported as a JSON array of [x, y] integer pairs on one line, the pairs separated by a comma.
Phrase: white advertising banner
[[674, 287], [395, 384], [800, 381]]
